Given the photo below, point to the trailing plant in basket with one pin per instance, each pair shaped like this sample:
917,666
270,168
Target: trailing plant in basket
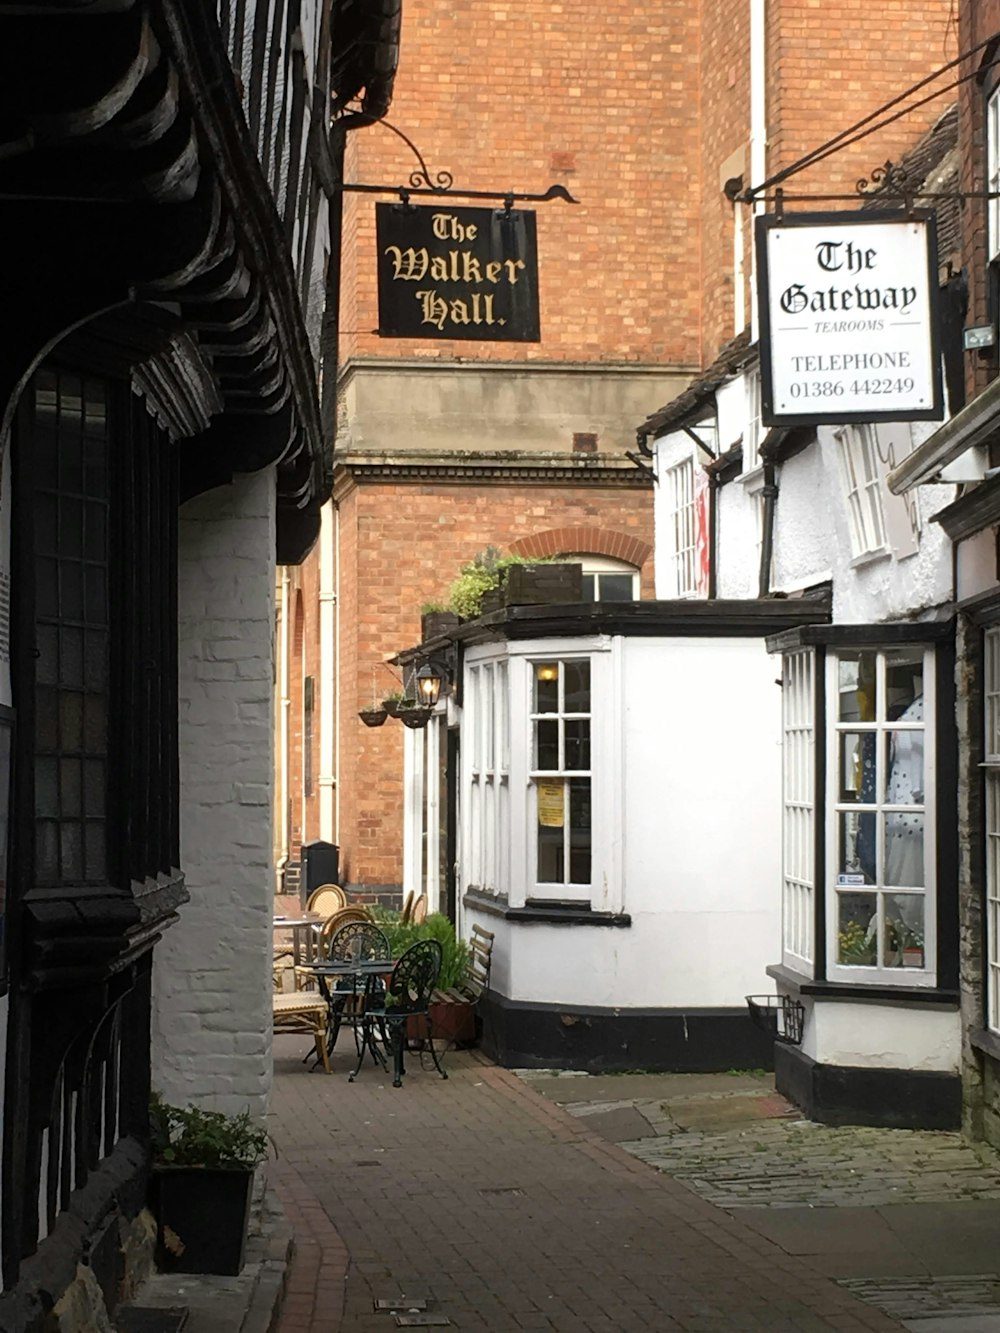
187,1136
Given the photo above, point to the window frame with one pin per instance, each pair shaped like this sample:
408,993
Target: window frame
991,825
992,118
607,745
881,727
679,483
596,566
754,434
936,639
864,503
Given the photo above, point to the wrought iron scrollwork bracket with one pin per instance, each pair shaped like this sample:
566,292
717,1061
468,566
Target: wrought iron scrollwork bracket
421,183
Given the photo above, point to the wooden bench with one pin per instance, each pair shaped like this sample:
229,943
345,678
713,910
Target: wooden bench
477,972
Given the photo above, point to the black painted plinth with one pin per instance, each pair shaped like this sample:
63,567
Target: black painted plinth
524,1035
848,1095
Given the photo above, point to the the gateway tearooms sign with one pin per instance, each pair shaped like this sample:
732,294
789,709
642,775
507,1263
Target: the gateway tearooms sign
848,318
446,272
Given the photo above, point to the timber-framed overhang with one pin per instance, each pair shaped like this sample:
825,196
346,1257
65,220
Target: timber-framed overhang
130,183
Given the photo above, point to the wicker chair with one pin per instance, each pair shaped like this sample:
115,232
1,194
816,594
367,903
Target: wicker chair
418,912
303,1012
326,900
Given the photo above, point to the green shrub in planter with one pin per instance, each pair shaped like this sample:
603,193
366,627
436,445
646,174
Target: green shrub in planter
203,1168
454,952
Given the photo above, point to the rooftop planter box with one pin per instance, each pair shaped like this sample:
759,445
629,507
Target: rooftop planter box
435,624
542,584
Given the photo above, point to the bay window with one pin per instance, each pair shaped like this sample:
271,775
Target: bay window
541,774
880,813
862,797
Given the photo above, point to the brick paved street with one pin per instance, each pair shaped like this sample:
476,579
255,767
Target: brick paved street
504,1212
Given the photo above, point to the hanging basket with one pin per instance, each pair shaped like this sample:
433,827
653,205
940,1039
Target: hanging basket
396,706
373,717
778,1015
414,717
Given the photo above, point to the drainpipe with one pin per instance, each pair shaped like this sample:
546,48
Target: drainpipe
758,130
713,534
284,703
327,674
770,494
338,678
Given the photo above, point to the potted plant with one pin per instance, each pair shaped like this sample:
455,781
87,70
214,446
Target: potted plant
436,620
373,717
203,1170
452,1020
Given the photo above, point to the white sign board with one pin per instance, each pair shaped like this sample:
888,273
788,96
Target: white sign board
848,318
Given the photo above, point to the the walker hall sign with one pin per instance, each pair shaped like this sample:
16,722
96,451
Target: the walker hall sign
848,318
446,272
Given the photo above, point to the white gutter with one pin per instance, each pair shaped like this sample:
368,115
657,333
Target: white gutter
284,703
335,697
327,674
977,422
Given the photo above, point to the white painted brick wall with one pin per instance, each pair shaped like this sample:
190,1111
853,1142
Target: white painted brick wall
212,972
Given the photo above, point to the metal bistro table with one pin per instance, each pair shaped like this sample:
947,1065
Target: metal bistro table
367,969
301,927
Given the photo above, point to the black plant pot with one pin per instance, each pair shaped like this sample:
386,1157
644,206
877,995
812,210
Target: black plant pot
202,1215
373,717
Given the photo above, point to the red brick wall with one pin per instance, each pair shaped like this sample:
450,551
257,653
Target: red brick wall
599,97
827,68
388,569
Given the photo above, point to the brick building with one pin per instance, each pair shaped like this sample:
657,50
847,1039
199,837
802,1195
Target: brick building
653,117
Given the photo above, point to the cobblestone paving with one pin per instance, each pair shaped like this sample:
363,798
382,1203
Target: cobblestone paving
782,1162
912,1298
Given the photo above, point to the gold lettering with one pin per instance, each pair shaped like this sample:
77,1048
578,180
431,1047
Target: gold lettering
460,312
407,265
482,308
446,227
511,265
435,309
493,272
439,269
471,271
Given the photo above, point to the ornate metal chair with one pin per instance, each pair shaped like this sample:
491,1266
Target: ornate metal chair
407,995
324,934
355,942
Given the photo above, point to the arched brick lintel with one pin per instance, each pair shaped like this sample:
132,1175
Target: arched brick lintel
584,541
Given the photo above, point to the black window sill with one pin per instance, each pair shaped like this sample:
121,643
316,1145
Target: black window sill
548,915
986,1042
849,990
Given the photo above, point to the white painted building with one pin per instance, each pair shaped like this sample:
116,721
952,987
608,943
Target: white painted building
615,829
863,814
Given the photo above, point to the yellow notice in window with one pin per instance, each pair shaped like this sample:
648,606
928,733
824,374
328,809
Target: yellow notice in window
551,812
